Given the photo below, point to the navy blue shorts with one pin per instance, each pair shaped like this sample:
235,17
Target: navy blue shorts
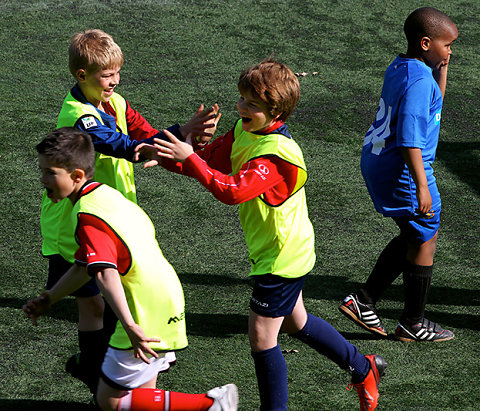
418,230
275,296
57,266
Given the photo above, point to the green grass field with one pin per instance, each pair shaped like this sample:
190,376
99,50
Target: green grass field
179,54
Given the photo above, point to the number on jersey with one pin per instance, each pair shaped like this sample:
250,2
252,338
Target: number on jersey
377,135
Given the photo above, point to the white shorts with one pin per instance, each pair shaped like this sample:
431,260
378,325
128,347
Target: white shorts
127,372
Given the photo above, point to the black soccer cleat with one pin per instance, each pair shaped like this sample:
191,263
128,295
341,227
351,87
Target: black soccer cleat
425,330
363,314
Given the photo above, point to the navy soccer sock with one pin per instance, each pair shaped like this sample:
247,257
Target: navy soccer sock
388,267
326,340
416,283
271,371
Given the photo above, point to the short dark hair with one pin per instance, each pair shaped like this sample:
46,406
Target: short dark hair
69,148
425,22
275,84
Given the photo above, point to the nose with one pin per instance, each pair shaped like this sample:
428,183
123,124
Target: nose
116,79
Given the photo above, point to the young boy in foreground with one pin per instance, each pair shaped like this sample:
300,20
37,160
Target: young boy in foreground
396,163
259,166
93,106
117,246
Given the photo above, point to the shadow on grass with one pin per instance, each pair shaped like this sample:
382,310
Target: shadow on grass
462,159
33,405
65,309
216,325
322,287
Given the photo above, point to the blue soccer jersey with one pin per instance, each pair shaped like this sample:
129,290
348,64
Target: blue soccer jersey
408,116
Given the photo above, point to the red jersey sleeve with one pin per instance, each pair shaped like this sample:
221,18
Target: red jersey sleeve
99,245
269,176
138,127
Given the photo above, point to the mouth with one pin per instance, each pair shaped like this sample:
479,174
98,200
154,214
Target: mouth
246,119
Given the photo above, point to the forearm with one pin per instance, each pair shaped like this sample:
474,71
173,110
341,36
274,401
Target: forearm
110,285
247,184
440,76
413,159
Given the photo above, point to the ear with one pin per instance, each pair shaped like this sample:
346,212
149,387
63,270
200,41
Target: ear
77,175
425,43
81,75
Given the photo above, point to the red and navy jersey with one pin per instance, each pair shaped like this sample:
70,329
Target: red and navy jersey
212,167
109,139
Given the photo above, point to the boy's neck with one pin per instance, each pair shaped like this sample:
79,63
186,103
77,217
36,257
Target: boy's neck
413,54
77,190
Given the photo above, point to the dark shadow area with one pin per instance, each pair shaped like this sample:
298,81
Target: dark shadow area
462,159
445,319
216,325
65,309
321,287
33,405
211,279
361,335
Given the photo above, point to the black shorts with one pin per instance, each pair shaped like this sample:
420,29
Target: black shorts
275,296
57,266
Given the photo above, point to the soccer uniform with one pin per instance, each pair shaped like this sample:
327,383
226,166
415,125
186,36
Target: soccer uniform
112,232
408,116
265,174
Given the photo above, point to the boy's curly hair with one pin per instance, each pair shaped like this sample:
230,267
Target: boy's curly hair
275,84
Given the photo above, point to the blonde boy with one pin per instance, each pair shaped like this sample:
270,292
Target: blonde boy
94,107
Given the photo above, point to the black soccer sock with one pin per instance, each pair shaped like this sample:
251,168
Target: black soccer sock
93,346
388,267
109,322
416,283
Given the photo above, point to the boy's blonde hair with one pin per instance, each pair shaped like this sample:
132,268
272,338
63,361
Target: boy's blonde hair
273,83
93,50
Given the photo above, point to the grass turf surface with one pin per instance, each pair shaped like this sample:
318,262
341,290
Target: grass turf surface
179,54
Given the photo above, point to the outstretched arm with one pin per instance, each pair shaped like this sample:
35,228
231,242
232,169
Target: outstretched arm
109,282
72,280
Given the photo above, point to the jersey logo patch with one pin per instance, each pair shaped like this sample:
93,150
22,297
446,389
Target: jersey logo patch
89,122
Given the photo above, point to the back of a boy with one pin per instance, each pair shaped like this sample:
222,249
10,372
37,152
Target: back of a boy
409,94
152,288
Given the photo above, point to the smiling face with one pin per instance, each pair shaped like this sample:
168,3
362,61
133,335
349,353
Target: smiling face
437,51
58,182
98,86
254,113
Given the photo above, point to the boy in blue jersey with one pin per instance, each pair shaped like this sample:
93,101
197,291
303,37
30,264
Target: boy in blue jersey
93,106
117,246
396,163
259,166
